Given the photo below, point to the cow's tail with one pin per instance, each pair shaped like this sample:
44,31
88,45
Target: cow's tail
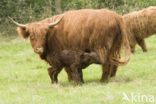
126,45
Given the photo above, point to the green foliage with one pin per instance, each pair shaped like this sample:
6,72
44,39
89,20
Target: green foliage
26,11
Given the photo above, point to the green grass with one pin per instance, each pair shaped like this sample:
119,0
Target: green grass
24,78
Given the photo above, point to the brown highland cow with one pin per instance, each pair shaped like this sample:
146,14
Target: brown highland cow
100,31
140,24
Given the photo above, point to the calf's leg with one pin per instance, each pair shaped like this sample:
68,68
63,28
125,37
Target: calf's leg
75,73
69,73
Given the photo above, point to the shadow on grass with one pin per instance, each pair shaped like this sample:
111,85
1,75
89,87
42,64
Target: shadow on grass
116,80
121,80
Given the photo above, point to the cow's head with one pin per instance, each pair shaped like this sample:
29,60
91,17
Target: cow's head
37,33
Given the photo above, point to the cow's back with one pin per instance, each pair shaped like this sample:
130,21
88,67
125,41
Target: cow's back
88,28
141,24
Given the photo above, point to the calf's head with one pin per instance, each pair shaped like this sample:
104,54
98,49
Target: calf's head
37,33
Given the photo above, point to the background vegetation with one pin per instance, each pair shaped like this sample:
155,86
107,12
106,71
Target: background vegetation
25,11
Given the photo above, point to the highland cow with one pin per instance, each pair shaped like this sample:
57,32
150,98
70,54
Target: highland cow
140,24
101,31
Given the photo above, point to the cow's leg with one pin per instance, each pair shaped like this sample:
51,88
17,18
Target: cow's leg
69,73
132,46
105,72
103,54
50,72
81,75
113,70
56,72
132,42
53,73
142,44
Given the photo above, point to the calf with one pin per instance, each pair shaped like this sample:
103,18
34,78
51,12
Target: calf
74,61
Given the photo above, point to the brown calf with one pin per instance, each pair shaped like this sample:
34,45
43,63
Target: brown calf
74,61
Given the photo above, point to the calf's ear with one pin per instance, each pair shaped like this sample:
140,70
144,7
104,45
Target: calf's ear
22,31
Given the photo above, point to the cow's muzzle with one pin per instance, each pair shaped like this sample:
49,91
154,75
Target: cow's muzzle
39,50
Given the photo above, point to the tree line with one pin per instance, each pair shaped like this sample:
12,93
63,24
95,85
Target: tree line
32,10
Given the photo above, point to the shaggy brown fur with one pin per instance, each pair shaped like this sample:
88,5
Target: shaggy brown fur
74,61
140,24
101,31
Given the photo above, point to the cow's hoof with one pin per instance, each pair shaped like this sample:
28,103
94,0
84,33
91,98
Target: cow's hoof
54,82
104,79
70,79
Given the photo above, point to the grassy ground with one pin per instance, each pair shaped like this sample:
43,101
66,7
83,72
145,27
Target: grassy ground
24,79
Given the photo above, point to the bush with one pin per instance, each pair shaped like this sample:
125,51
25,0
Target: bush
25,11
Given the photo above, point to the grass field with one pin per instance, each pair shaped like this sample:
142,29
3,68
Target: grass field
24,79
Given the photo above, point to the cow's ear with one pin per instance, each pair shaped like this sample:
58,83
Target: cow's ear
22,31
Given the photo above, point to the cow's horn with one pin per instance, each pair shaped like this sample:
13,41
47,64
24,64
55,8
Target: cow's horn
19,25
55,23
